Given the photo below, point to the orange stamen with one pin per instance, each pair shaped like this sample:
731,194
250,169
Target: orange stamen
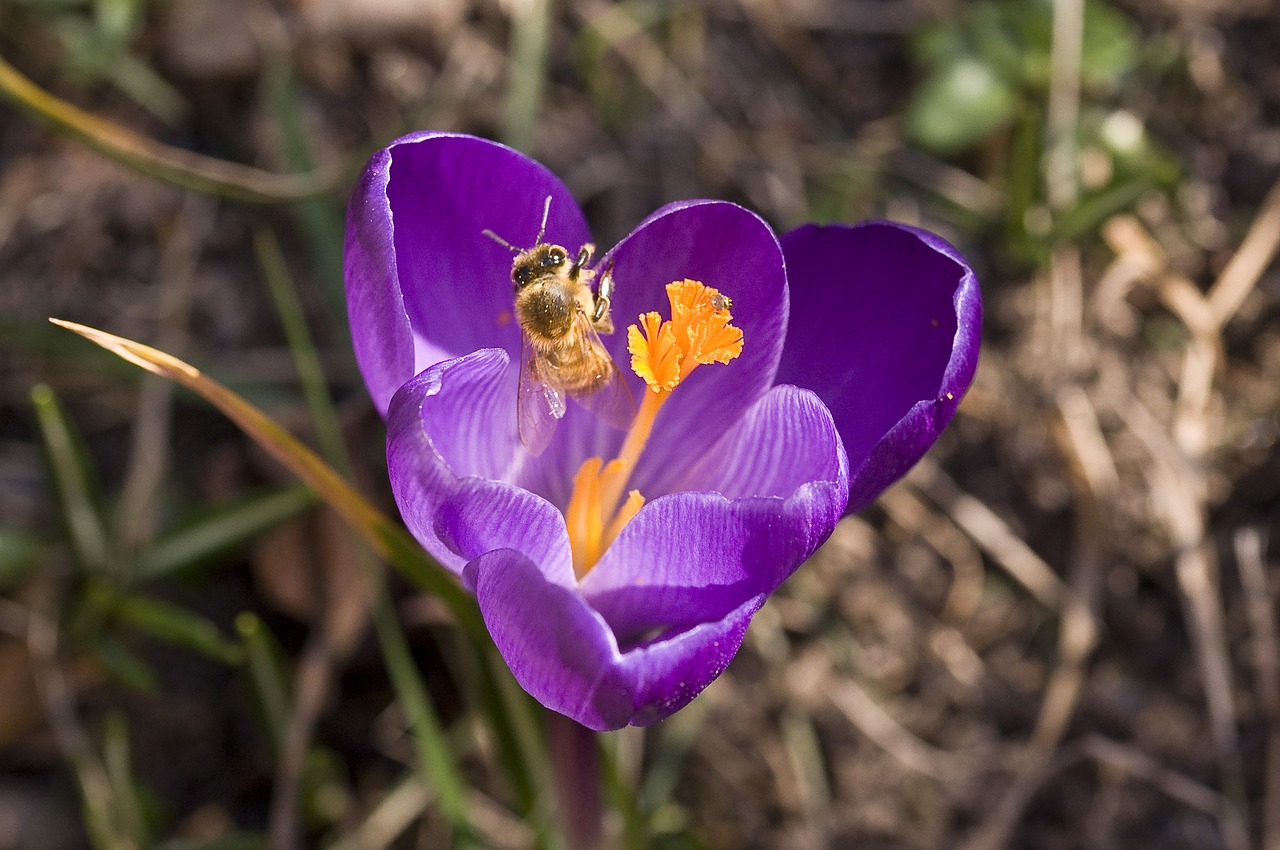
663,354
655,356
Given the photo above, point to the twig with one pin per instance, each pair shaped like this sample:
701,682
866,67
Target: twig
1178,491
1078,631
1249,261
1173,784
392,816
992,534
149,451
872,720
1259,602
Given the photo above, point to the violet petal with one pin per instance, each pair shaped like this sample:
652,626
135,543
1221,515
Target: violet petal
691,557
885,323
564,654
446,474
424,282
733,250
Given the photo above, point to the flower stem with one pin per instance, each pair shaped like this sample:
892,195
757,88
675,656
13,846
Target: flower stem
575,765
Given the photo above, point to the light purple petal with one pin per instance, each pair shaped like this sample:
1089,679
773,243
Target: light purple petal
688,558
423,281
448,449
564,654
885,324
733,250
774,487
785,441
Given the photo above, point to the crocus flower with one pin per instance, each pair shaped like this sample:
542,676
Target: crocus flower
780,383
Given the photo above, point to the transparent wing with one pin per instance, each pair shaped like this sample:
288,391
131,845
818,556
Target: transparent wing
538,405
611,401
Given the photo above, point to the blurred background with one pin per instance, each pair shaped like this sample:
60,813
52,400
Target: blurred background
1058,632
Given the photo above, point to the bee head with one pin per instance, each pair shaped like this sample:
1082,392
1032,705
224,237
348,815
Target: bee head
540,261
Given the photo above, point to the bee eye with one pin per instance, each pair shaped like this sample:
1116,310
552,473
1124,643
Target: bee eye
553,258
520,275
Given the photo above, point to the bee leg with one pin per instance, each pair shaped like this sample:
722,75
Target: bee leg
584,257
600,316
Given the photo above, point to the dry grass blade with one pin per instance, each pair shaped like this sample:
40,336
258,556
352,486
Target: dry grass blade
1178,490
103,808
720,145
382,535
908,510
877,724
1249,261
389,819
149,456
1181,788
992,534
1249,549
1094,477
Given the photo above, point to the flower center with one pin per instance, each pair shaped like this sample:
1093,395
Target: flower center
663,353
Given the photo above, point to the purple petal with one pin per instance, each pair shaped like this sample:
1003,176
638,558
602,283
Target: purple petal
732,249
564,654
449,445
380,331
668,673
692,557
785,441
423,281
885,323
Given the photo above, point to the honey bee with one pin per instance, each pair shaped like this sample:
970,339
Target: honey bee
561,355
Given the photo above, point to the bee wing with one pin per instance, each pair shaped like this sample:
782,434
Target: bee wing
538,405
612,402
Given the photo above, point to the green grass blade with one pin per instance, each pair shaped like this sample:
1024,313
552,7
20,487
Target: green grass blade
227,530
530,36
147,156
176,625
268,674
436,764
74,481
321,221
20,555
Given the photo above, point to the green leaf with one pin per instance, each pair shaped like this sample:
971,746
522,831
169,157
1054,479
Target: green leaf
959,106
268,673
124,665
74,481
20,553
936,46
1110,47
1013,38
176,625
225,531
1093,209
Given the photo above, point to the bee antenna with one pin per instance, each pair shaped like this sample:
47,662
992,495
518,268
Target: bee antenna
546,209
504,243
